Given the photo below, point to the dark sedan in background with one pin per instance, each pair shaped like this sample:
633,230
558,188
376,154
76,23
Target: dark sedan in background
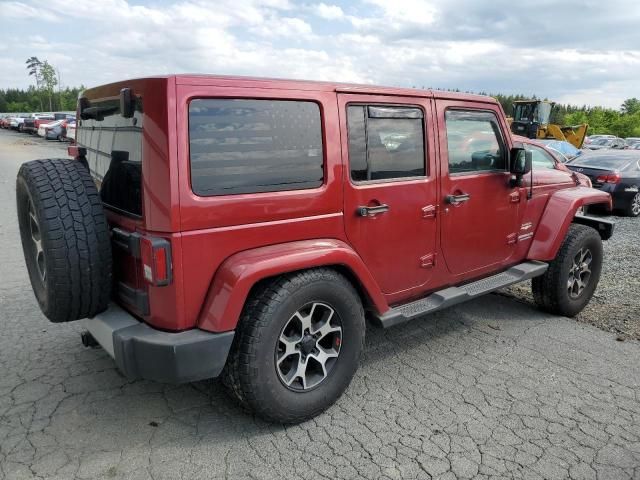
616,172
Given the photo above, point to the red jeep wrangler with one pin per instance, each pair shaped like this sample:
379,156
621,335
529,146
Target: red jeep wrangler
244,227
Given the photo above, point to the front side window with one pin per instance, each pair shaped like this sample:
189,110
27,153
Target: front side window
474,142
385,142
252,146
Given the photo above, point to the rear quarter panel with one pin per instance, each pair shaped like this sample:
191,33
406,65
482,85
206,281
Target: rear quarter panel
216,227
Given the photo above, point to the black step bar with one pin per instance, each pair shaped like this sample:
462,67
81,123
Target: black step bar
454,295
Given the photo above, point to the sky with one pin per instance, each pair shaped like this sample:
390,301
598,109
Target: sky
570,51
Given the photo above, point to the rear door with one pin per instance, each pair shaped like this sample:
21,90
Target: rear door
480,208
390,188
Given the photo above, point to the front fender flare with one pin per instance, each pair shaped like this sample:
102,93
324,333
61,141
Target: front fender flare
240,272
558,216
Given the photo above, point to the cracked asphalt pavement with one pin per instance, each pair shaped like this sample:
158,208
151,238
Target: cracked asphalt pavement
491,389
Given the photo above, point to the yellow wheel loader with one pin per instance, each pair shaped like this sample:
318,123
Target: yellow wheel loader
531,120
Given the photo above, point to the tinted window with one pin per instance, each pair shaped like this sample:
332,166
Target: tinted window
540,158
385,142
114,154
474,142
251,146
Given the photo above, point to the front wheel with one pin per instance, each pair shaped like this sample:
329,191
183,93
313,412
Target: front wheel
572,277
297,346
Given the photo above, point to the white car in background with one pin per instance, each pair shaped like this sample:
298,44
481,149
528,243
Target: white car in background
71,131
42,129
17,121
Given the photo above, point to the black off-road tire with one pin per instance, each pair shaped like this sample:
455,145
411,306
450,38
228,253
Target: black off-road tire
550,291
250,375
70,266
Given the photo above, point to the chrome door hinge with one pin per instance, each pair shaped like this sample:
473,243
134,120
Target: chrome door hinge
428,261
429,211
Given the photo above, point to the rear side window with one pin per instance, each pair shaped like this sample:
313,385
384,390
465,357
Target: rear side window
385,142
474,142
251,146
114,154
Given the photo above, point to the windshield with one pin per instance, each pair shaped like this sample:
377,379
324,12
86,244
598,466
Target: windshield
543,113
523,112
564,147
603,141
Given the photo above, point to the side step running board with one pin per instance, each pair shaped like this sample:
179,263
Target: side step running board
454,295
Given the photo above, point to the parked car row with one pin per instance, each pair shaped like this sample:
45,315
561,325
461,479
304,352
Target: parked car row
59,126
605,142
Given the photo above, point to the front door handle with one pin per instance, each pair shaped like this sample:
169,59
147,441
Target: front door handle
457,199
371,211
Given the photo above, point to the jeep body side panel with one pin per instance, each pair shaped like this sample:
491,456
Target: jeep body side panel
558,215
475,233
216,227
239,273
398,244
204,212
159,187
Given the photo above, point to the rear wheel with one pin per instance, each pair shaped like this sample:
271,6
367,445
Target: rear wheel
297,345
572,277
65,238
633,209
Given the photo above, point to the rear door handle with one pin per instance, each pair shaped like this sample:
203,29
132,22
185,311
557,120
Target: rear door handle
457,199
371,211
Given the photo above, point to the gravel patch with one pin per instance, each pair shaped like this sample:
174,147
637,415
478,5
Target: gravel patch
615,307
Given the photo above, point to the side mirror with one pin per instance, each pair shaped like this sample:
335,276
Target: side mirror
520,161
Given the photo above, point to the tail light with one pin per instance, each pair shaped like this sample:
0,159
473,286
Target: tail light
609,178
155,254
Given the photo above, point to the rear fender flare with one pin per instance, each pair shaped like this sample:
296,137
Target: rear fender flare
240,272
558,215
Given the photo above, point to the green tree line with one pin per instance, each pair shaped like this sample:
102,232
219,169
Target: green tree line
43,96
624,122
32,100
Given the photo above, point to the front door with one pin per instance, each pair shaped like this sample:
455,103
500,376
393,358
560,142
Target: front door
390,187
480,207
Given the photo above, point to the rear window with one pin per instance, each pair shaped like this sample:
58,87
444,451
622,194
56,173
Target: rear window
603,161
114,154
252,146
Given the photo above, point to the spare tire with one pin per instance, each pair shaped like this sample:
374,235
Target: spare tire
65,238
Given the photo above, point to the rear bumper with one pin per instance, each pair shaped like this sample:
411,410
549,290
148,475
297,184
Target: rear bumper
141,351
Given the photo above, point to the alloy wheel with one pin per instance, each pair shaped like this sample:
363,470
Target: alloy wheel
579,273
635,204
36,240
308,346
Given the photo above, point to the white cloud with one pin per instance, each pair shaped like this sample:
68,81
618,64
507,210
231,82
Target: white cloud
23,10
283,27
328,12
496,47
407,11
